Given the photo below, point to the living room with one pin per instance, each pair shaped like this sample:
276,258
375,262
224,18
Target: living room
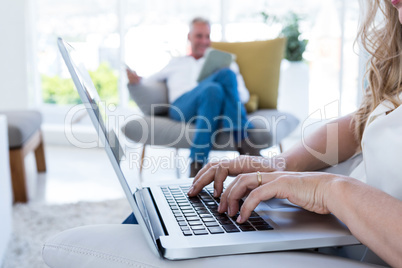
78,182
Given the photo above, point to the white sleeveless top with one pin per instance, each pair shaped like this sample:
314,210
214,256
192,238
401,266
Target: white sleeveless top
382,150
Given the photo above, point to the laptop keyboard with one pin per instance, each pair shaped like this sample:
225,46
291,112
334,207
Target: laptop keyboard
199,215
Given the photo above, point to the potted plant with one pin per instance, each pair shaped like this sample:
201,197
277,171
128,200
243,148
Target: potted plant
294,80
295,46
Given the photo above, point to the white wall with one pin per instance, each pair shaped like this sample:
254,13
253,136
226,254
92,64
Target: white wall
17,68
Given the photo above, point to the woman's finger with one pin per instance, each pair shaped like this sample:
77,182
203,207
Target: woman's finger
264,192
223,200
242,185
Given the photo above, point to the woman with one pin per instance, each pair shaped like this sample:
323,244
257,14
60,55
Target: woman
375,129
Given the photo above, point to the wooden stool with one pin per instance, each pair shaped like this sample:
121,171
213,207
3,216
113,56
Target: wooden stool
25,136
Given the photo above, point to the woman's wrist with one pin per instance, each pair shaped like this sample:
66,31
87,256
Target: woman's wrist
335,194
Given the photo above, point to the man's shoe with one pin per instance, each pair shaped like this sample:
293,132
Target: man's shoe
194,168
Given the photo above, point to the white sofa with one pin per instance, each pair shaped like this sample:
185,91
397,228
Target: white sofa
5,190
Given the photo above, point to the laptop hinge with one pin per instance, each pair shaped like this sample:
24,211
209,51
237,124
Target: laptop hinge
157,225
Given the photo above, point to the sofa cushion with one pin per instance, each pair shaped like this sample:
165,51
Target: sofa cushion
259,63
271,126
21,126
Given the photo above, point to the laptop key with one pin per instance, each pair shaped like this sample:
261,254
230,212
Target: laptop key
205,215
187,233
230,228
200,232
193,219
257,221
182,223
225,222
201,210
215,230
189,214
198,227
246,228
263,227
211,224
184,228
192,223
243,224
208,219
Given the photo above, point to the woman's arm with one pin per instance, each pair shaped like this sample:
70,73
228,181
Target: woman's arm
371,215
331,144
303,157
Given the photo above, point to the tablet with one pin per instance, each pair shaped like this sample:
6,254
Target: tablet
215,60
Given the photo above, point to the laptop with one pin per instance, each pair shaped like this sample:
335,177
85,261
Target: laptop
178,227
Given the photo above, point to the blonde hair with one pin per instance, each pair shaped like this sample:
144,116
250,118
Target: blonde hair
383,41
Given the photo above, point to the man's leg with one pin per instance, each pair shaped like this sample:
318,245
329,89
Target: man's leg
200,106
234,111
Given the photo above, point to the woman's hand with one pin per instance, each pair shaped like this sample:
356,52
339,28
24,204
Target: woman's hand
308,190
218,171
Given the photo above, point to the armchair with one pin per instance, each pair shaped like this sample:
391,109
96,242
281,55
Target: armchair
259,63
24,136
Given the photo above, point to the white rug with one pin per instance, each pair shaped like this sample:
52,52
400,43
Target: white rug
33,224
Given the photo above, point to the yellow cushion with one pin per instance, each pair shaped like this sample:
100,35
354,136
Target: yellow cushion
259,63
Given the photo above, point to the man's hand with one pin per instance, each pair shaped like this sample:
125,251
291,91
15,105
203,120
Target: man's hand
218,171
132,76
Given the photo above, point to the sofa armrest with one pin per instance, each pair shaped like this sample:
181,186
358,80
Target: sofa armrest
124,246
150,98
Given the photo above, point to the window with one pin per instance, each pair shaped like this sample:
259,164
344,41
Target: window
91,27
147,34
157,30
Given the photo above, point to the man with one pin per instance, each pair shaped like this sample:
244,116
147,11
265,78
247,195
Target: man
214,103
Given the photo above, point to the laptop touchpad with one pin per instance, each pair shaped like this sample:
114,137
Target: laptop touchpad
280,203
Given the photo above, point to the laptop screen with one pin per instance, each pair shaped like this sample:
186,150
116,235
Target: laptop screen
99,115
